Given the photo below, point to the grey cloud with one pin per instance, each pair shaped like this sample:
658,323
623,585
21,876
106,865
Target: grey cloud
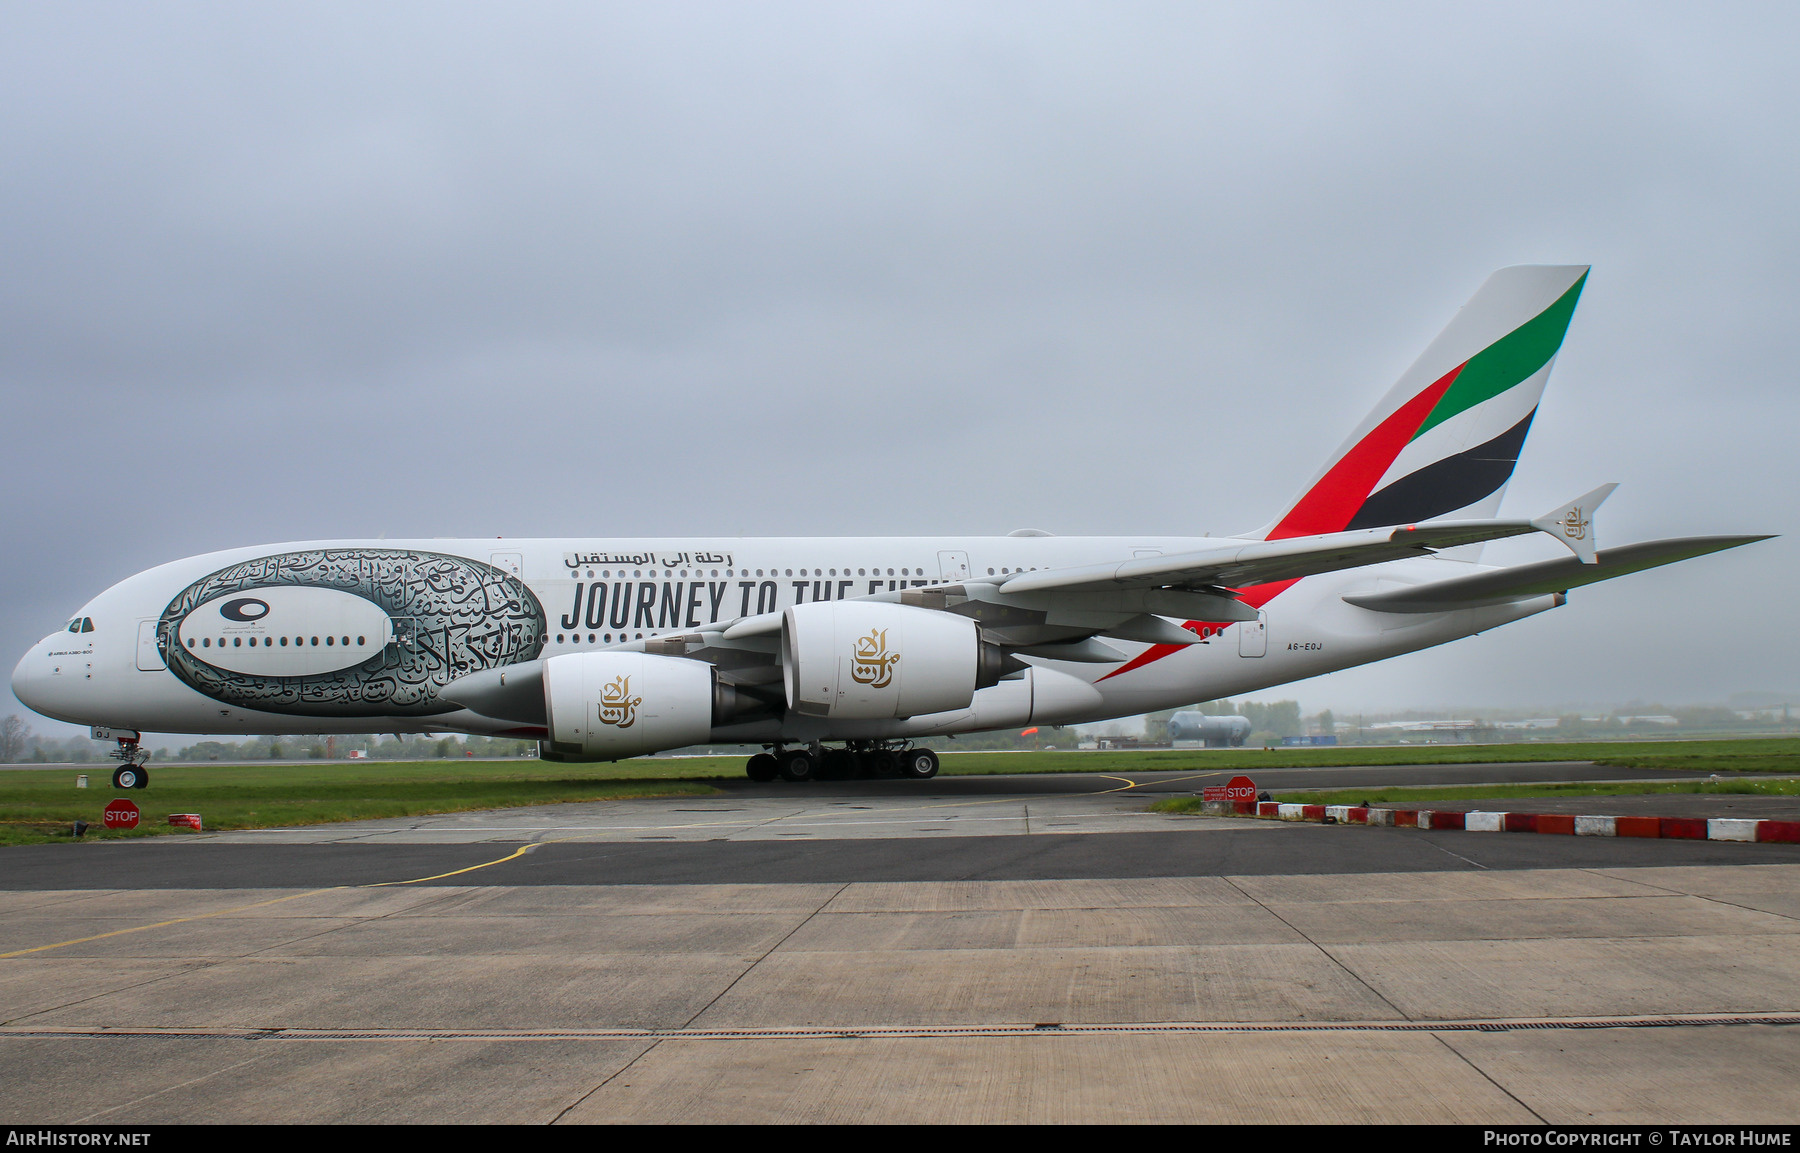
446,269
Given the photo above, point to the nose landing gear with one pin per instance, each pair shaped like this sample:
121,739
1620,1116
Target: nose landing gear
131,774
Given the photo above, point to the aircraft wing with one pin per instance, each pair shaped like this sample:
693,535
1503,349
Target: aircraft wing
1240,565
1057,613
1126,599
1543,577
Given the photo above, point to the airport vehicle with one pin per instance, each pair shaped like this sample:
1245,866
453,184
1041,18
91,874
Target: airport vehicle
837,654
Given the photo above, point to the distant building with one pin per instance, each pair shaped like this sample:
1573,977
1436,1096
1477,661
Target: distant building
1427,726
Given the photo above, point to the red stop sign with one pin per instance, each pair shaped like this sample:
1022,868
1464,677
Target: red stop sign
121,814
1237,789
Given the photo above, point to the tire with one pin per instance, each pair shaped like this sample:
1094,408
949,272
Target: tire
762,767
837,765
884,764
918,764
798,766
143,776
126,777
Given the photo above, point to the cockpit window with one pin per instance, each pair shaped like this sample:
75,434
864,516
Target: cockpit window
82,625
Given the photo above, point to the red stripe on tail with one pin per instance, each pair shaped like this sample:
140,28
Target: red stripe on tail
1329,505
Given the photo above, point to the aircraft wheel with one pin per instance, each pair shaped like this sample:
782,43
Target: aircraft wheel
918,764
837,765
798,765
762,767
130,777
884,764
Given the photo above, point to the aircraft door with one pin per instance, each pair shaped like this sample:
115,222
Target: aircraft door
407,637
149,656
954,566
1253,636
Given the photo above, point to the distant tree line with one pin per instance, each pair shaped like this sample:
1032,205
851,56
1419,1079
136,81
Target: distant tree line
1268,721
20,746
1046,736
401,747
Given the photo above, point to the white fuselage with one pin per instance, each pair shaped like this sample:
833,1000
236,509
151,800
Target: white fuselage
593,593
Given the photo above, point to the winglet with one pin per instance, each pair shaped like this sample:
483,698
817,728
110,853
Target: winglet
1573,523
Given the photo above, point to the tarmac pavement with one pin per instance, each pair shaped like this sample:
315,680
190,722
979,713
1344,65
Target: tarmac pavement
832,955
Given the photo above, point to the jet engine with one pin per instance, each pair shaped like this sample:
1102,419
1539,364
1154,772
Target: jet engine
876,660
606,706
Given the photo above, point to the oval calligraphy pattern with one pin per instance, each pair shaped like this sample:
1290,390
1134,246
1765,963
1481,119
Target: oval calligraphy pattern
451,616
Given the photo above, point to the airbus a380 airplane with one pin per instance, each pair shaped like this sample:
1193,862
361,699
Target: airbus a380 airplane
603,648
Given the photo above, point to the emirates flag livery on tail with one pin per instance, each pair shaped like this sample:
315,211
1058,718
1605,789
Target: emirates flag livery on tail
838,654
1446,437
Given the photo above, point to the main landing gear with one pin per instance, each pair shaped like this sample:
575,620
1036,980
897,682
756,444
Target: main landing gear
131,774
888,759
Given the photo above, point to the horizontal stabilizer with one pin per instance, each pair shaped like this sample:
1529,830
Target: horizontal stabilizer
1544,577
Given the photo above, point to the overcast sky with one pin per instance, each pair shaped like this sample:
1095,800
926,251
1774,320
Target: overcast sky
274,272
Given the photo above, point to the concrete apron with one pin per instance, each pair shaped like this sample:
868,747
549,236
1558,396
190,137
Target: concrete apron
1561,995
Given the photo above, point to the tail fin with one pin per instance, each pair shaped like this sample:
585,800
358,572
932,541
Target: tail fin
1446,437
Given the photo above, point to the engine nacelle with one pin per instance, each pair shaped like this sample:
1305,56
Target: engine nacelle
876,660
607,706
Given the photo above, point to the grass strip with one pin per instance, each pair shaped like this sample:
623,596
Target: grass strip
41,805
1753,755
1461,793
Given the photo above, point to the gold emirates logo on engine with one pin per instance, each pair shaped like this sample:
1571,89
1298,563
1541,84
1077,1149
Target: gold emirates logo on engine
617,705
871,663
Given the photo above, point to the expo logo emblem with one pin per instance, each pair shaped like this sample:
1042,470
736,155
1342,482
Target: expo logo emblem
870,661
617,706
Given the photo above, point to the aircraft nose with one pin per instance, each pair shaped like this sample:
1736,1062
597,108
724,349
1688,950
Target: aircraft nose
31,682
25,681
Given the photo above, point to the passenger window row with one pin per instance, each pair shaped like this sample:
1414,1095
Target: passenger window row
271,642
